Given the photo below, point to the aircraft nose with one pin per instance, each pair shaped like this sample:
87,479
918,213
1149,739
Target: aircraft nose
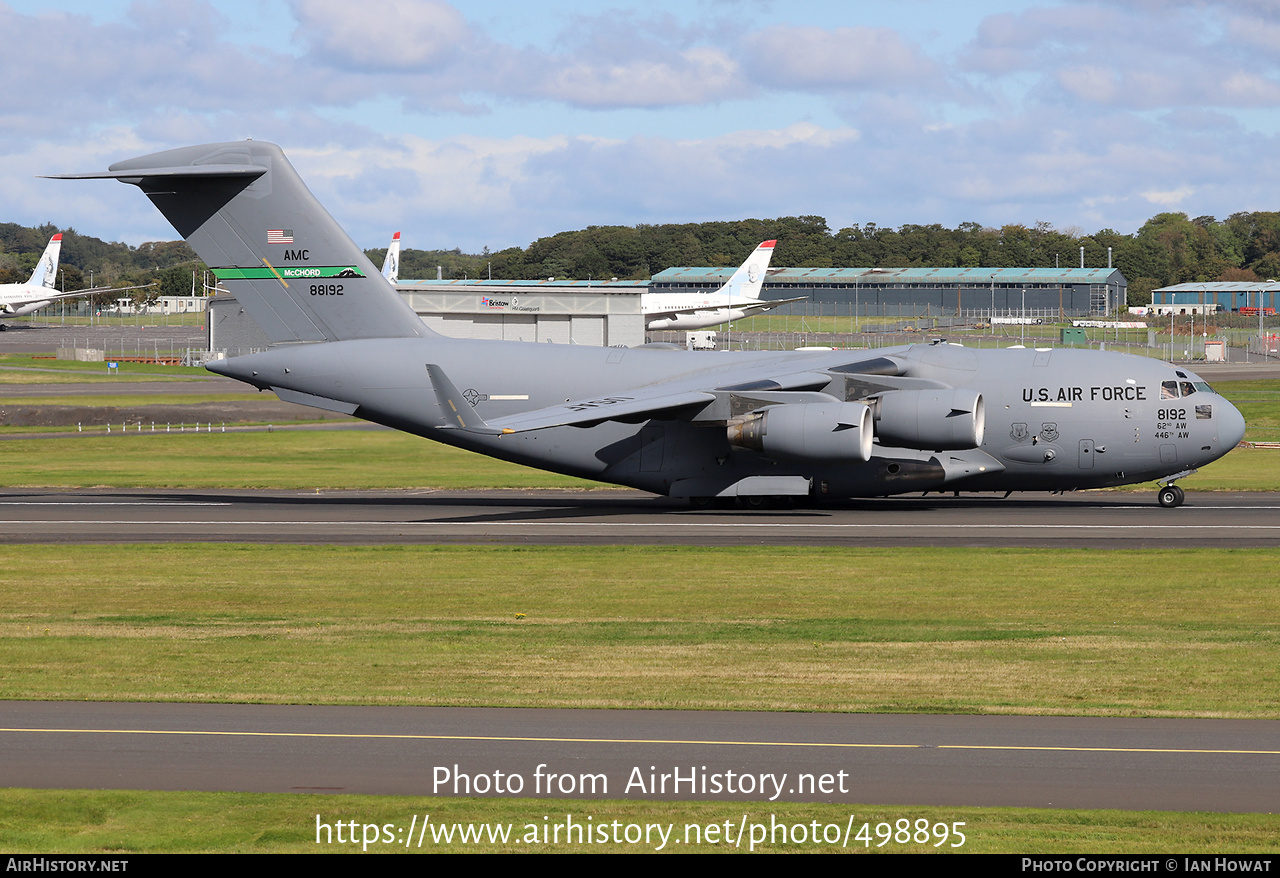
1230,426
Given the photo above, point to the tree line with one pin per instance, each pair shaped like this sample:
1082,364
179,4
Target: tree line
86,261
1170,248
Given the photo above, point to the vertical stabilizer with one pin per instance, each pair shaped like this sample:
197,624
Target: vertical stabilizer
243,208
749,278
46,272
391,265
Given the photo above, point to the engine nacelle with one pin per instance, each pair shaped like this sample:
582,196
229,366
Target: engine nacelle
818,431
946,419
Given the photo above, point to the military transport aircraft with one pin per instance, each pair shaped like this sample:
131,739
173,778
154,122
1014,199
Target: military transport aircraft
738,297
18,300
750,425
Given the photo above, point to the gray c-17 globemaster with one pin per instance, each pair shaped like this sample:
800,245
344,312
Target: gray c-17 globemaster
751,425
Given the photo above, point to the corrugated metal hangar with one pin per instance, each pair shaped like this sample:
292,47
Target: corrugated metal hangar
603,313
890,291
1217,296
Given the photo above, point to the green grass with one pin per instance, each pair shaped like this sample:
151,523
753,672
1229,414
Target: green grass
1073,632
135,399
119,823
280,459
27,369
1259,402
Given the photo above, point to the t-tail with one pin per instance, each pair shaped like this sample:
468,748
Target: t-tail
749,278
391,265
46,272
246,212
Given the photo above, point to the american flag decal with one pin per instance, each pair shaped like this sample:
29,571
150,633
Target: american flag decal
279,236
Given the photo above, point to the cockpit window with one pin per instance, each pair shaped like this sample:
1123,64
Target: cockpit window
1187,388
1169,390
1204,387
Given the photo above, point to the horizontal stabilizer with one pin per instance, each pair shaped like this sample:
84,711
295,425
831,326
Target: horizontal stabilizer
136,175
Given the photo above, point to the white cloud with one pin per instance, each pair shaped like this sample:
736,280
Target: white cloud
1170,198
844,57
1094,110
384,35
698,75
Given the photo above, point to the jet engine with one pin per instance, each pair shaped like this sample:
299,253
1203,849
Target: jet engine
835,431
945,419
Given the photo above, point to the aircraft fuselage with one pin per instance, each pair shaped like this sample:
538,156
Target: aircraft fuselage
1055,420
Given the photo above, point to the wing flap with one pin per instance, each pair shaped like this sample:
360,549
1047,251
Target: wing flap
620,407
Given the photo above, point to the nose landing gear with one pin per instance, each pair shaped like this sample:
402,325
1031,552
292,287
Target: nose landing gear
1171,496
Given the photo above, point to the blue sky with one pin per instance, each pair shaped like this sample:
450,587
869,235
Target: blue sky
488,123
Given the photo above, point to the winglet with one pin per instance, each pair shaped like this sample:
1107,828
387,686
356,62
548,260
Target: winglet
458,413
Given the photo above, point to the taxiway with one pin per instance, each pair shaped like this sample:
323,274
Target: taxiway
1050,762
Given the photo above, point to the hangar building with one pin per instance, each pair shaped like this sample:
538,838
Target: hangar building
601,313
1218,296
903,291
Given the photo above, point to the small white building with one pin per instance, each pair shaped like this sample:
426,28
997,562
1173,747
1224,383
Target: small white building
163,305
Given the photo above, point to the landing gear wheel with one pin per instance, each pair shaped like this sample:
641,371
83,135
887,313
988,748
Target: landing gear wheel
1171,496
754,501
702,502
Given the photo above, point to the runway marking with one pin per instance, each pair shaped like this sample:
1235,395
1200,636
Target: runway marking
771,525
662,741
114,503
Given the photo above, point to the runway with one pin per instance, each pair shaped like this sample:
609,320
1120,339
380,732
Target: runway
614,517
1051,762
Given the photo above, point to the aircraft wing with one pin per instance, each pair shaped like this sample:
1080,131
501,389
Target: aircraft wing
619,407
75,294
634,405
32,295
768,304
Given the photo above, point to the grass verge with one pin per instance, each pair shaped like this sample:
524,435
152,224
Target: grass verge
28,369
1120,633
115,823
